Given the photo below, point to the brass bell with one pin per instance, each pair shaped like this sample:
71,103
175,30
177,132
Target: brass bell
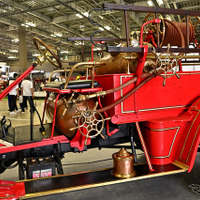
123,164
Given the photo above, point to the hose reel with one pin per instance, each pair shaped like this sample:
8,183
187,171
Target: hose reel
168,31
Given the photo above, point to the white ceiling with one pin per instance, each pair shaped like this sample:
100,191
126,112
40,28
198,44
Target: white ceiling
68,18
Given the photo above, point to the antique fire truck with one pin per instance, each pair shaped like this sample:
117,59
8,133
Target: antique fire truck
139,93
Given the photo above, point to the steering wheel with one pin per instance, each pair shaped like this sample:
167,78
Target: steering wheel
48,53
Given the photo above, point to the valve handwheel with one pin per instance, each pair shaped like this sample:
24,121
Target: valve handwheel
167,64
48,53
92,121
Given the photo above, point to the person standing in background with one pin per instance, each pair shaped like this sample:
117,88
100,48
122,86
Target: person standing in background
27,92
14,94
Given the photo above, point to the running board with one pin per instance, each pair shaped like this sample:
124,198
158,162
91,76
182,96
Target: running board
90,179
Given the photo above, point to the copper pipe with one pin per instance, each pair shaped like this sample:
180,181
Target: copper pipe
137,87
144,146
134,79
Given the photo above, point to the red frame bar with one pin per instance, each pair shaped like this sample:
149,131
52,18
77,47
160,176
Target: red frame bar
54,140
57,90
17,81
54,116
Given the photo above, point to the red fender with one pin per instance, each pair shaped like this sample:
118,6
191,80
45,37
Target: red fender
10,190
190,139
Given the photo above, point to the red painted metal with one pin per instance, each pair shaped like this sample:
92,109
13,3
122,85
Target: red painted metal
107,122
54,115
190,139
44,142
162,137
154,100
142,28
44,108
150,38
140,64
79,140
167,117
9,190
17,81
86,90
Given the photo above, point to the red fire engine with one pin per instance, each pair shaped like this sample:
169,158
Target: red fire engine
138,94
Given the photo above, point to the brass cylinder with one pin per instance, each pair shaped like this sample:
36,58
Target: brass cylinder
116,63
64,120
123,164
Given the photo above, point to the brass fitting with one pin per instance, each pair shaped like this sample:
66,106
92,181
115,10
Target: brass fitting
82,98
40,60
131,57
98,94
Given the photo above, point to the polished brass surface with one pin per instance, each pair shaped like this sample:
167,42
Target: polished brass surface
123,164
116,63
181,165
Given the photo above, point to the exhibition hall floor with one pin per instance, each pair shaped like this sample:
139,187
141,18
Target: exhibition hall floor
183,186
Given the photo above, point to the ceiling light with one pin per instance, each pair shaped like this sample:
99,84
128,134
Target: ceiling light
160,2
58,34
107,27
53,35
12,57
35,54
62,52
15,40
13,51
86,14
30,24
78,43
150,3
24,25
78,15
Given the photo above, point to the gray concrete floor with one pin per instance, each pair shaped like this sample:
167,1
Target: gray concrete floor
176,187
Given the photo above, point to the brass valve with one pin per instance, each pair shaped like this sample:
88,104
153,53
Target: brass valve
82,97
